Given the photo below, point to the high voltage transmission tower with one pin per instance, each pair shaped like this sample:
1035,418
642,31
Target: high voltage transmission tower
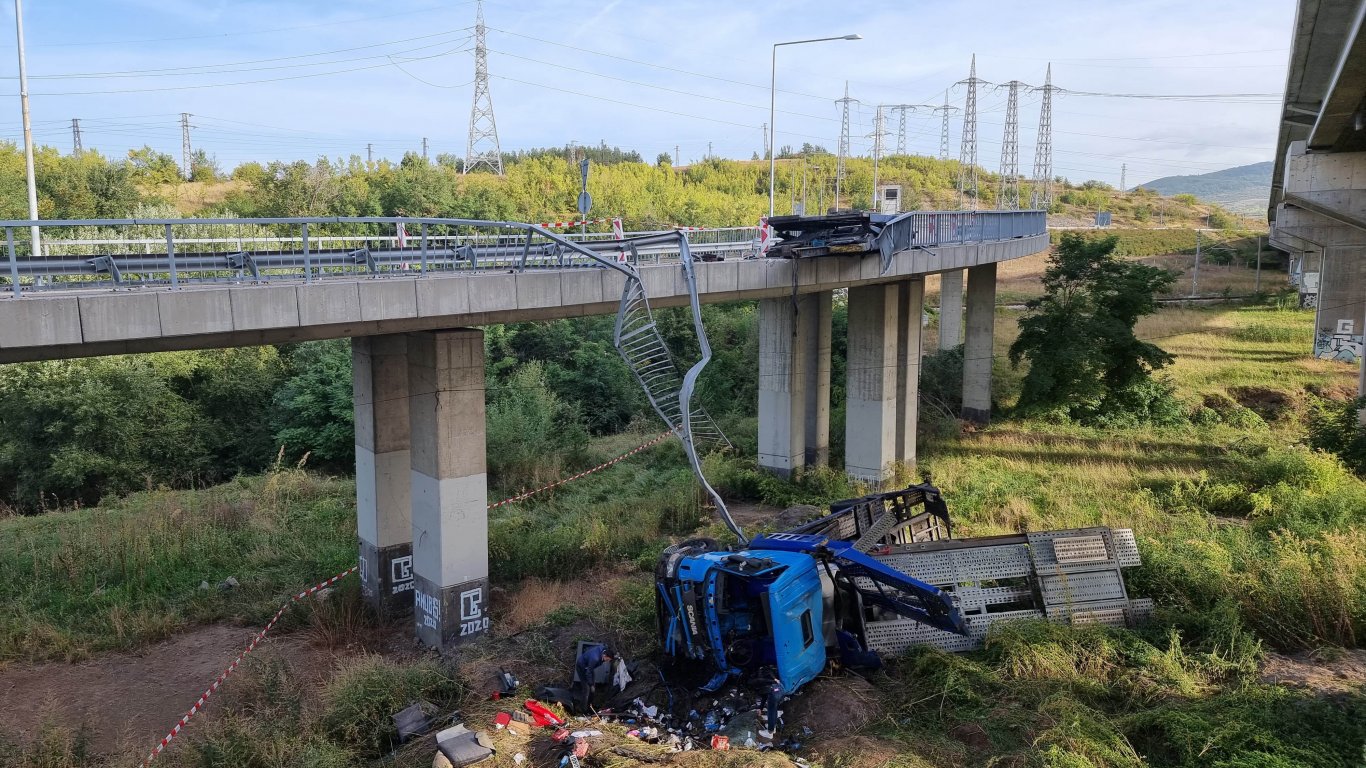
1123,176
76,136
967,155
1042,193
844,142
947,111
482,147
1008,195
185,143
902,109
877,150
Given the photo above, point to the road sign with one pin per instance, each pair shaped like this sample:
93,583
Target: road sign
585,203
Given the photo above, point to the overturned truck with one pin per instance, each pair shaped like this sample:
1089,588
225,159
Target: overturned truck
873,577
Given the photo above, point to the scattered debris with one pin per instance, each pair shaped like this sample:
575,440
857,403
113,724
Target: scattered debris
457,746
412,721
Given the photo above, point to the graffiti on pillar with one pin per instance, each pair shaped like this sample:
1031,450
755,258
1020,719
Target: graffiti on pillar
401,574
428,609
1341,344
472,618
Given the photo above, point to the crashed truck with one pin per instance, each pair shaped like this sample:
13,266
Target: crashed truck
873,577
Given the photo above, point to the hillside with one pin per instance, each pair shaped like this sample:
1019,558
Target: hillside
1242,190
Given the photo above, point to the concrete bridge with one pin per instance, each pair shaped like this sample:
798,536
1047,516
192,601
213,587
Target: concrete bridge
412,304
1318,187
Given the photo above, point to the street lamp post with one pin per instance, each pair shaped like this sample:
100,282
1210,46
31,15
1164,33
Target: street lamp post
772,109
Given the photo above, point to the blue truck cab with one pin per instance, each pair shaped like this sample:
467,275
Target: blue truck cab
744,610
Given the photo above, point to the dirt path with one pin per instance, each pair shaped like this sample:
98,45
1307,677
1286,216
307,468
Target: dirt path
128,701
1339,672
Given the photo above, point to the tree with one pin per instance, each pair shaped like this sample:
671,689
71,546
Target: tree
313,412
664,160
1085,362
153,167
204,167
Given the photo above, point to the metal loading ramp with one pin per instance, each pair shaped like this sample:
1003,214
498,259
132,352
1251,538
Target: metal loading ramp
1071,575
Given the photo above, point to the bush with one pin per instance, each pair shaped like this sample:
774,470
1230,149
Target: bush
531,433
359,701
1335,427
313,410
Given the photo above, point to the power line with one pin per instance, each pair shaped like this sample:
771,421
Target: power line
242,82
387,16
216,69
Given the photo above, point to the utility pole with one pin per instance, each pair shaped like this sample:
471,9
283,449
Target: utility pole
967,155
369,154
806,167
1258,287
1123,177
877,152
481,146
1042,194
76,136
844,142
28,127
677,160
766,147
185,144
424,149
709,150
1008,196
946,110
1195,275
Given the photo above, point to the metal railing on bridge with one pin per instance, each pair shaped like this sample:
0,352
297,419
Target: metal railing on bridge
926,229
125,253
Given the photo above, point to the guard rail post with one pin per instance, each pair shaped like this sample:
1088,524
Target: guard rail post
424,249
170,257
13,264
308,259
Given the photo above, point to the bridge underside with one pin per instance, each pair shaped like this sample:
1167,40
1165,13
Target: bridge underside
56,326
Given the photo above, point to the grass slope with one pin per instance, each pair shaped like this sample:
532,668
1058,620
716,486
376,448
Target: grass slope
1249,541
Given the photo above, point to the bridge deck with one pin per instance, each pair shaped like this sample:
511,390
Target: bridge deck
52,325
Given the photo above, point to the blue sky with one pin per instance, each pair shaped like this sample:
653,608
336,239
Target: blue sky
294,79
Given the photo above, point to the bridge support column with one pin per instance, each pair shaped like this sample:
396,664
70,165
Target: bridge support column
911,308
449,485
794,382
379,377
870,421
817,328
950,308
977,347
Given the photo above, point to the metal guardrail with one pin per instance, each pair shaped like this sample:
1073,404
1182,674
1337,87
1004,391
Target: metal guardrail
123,253
922,229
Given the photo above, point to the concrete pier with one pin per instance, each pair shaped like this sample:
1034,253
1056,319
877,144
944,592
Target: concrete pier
977,347
449,486
910,310
379,376
794,382
883,382
817,330
950,308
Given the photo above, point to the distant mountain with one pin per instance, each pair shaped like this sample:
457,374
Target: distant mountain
1244,189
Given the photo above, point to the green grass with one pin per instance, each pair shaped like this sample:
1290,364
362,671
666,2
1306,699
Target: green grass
90,580
1250,542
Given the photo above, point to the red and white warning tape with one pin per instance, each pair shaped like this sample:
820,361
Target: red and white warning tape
564,224
256,640
584,473
204,698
